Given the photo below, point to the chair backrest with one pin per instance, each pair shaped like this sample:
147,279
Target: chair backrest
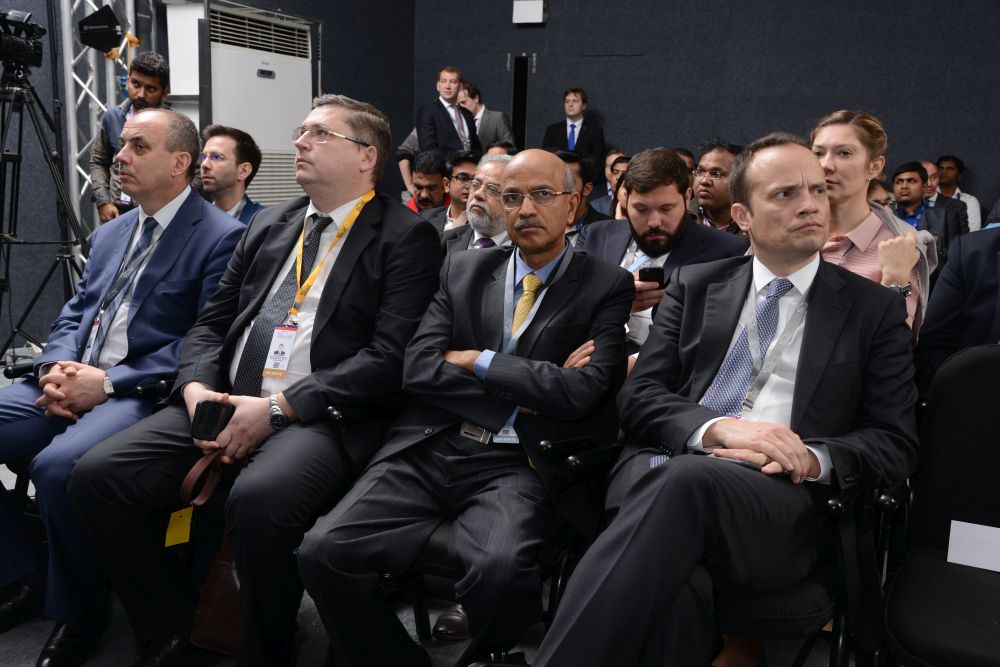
959,448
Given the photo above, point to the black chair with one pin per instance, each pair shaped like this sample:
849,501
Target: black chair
941,613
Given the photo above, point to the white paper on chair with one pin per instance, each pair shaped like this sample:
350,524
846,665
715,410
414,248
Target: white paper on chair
974,545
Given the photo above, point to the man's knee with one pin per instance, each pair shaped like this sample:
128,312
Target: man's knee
50,471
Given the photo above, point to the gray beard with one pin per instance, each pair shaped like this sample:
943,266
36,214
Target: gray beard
484,224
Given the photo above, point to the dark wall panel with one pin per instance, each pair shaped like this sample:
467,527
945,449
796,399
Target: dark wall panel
675,73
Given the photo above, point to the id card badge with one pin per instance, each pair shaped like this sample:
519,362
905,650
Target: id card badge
506,436
276,365
90,339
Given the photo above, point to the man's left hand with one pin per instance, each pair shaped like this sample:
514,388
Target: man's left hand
463,358
247,428
767,465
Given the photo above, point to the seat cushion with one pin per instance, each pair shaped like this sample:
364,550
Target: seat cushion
791,612
940,613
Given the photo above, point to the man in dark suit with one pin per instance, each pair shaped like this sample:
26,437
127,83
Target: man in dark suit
658,232
444,124
935,198
460,168
341,278
943,222
487,225
583,169
832,405
150,271
230,159
491,126
576,133
482,393
963,310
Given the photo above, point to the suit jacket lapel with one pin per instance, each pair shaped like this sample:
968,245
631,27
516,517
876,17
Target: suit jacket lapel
616,242
689,246
825,318
362,233
723,306
459,241
557,295
168,250
491,317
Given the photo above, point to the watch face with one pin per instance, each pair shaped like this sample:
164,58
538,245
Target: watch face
278,421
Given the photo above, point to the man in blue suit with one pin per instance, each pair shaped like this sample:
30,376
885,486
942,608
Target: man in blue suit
148,274
229,160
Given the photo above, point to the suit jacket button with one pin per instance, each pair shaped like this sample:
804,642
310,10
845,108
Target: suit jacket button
428,431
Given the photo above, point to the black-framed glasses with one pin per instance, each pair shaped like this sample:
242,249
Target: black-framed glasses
212,157
540,197
492,189
714,174
320,135
462,177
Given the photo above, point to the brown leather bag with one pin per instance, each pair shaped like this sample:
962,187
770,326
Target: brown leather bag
217,615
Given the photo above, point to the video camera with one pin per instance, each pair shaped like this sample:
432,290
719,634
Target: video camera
20,39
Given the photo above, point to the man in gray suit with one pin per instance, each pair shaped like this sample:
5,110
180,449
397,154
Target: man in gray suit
491,126
486,380
487,225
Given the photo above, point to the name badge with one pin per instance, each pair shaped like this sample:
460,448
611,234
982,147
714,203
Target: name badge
280,351
506,436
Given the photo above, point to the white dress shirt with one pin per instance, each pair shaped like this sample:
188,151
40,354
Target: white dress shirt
116,344
577,123
972,204
774,404
299,362
638,325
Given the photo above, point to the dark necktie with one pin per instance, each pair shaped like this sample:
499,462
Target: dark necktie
485,242
249,372
460,127
733,379
119,287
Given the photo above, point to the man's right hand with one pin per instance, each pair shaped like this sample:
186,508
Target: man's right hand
107,211
194,392
647,294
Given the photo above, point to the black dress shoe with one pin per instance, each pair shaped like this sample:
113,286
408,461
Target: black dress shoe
70,644
452,625
176,651
19,602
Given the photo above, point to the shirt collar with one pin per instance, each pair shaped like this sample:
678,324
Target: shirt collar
801,280
338,214
482,110
521,268
863,235
167,211
578,123
499,239
238,207
446,104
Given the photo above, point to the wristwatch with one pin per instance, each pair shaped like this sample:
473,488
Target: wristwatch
276,417
904,290
109,389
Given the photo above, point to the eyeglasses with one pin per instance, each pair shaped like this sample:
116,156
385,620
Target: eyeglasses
462,178
715,174
492,189
320,135
214,157
541,197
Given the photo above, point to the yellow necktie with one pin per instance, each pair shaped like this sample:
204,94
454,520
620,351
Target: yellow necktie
530,283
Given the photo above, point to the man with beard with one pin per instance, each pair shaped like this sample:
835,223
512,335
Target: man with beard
711,186
487,226
583,170
229,161
658,232
148,85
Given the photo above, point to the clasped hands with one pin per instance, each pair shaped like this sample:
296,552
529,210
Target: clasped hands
774,447
70,388
247,428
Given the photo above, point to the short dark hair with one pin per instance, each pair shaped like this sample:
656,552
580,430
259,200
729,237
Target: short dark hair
952,158
651,168
471,89
458,157
430,162
586,163
683,152
367,123
907,167
451,69
576,91
181,136
739,187
623,159
152,64
506,145
247,149
717,144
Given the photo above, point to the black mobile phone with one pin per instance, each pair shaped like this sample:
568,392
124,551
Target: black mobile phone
210,417
651,274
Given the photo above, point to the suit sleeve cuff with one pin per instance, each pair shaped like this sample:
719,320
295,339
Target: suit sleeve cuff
694,441
483,362
825,464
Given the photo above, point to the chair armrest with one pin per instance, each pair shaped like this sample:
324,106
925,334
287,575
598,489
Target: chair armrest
844,501
15,371
556,450
594,460
348,415
159,389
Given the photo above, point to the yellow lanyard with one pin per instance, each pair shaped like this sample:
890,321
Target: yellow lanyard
345,227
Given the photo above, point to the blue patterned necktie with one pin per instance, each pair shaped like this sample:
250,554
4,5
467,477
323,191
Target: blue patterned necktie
572,136
119,287
732,382
251,367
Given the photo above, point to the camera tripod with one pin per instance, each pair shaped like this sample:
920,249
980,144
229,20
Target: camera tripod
17,94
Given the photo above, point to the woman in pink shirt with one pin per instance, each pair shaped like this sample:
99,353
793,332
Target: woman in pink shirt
866,238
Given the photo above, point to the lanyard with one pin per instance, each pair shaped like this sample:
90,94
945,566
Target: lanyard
345,227
510,339
763,368
125,275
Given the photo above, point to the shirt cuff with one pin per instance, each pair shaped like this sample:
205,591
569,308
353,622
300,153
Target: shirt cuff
694,441
483,362
825,464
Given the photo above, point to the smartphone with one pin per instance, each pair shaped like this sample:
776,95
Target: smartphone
651,274
210,417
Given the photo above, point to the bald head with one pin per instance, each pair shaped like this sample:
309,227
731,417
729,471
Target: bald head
537,223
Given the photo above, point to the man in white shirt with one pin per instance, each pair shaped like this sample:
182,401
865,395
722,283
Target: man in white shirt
487,224
444,124
229,161
760,373
934,198
950,170
149,272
